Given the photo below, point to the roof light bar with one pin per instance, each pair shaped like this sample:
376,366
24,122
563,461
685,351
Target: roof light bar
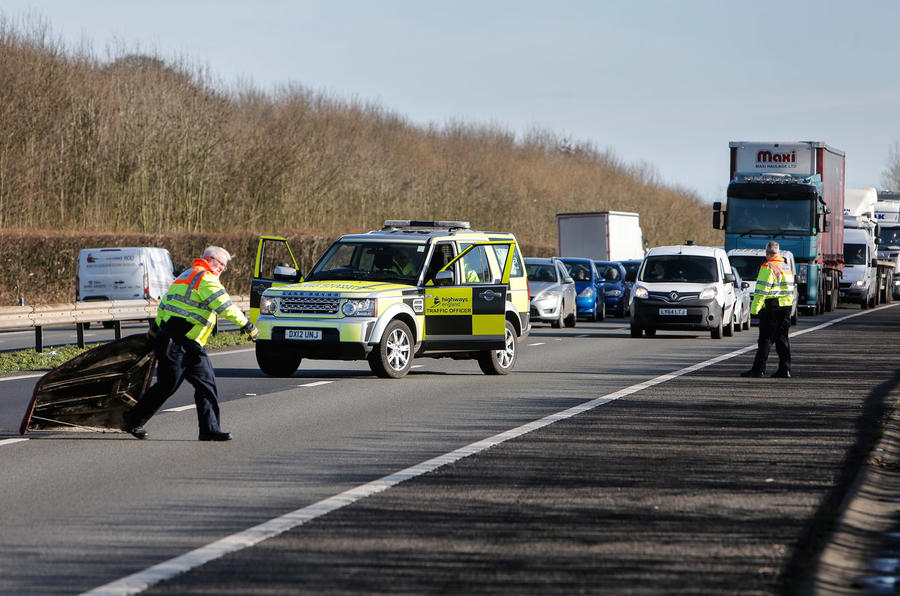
415,223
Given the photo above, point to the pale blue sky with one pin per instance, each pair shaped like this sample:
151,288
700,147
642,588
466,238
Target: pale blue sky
667,84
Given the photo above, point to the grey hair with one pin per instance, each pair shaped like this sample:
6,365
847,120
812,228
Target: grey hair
218,253
772,247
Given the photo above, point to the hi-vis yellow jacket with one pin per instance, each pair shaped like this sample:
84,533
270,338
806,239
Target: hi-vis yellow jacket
198,296
775,280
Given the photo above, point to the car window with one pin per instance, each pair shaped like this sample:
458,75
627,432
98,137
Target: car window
578,271
500,251
443,254
475,266
541,272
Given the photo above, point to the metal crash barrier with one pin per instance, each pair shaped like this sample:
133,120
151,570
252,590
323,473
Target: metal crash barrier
82,314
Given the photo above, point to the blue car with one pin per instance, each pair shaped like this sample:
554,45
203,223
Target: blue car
591,300
617,290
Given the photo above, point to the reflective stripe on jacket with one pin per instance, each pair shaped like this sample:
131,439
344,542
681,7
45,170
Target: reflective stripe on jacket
198,296
775,280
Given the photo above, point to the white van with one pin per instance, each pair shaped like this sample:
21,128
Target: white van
686,288
129,273
748,261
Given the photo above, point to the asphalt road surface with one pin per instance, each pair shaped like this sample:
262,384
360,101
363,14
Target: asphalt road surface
654,468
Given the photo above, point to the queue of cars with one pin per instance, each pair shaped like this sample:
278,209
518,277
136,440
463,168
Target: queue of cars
440,289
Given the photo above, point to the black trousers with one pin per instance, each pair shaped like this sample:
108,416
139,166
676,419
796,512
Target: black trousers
180,359
774,326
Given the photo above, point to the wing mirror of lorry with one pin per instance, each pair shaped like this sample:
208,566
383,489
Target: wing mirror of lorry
443,278
286,273
718,216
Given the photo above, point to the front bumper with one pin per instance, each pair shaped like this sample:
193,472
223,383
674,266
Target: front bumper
705,315
585,306
346,338
545,311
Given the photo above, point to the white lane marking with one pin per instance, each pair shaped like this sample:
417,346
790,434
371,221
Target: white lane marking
583,335
417,366
540,343
140,581
315,383
10,441
181,408
17,377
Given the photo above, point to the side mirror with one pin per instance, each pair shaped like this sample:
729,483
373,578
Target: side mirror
443,278
729,278
283,273
568,280
745,284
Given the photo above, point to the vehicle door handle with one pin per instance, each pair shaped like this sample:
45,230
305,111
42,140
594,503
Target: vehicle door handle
489,295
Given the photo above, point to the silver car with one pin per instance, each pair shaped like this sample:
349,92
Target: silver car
552,292
742,294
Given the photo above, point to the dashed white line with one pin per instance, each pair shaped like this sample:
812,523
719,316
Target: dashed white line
10,441
181,408
540,343
315,383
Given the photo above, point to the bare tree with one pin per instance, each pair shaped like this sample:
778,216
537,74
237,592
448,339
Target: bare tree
891,175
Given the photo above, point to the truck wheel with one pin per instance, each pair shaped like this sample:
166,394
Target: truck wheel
500,362
276,361
393,356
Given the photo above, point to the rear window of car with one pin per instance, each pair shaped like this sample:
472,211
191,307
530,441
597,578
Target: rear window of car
541,272
680,269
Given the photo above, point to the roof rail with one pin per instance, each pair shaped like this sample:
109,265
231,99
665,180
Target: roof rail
393,224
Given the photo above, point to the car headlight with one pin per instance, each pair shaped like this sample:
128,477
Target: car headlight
708,293
802,274
359,307
860,283
268,306
588,292
613,292
641,292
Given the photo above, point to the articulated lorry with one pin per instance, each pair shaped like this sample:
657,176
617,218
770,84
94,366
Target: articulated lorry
887,213
866,280
602,236
792,193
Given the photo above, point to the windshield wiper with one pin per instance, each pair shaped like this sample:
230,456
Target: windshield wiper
761,231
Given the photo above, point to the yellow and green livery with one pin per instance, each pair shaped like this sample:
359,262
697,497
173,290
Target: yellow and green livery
412,289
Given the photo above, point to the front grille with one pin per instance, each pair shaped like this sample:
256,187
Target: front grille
666,296
309,303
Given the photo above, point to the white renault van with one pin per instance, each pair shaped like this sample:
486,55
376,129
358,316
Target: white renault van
123,273
685,288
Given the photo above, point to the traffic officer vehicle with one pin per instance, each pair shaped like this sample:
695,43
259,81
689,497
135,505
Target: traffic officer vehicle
684,287
412,289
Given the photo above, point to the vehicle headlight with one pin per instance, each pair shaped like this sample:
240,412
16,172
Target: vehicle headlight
708,293
860,283
641,292
268,306
613,292
359,307
588,292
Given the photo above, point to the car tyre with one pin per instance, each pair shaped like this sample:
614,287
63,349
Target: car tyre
571,320
276,360
636,331
650,332
728,330
394,354
500,362
602,308
716,332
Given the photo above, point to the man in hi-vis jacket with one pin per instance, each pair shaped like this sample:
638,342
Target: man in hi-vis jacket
772,300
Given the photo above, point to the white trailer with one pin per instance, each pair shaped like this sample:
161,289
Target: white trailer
600,235
887,213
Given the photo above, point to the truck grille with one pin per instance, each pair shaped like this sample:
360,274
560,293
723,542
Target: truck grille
309,303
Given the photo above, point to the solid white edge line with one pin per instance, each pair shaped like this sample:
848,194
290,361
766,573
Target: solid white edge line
137,582
10,441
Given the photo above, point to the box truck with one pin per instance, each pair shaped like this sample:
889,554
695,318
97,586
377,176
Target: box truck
600,235
792,193
887,213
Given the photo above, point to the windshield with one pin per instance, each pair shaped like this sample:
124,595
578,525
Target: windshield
371,261
889,237
747,266
679,268
854,254
608,272
541,272
749,216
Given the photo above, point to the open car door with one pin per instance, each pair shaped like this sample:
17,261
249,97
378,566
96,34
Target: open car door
275,266
92,390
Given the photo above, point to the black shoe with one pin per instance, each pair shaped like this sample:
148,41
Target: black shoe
781,374
137,432
215,436
752,373
134,430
